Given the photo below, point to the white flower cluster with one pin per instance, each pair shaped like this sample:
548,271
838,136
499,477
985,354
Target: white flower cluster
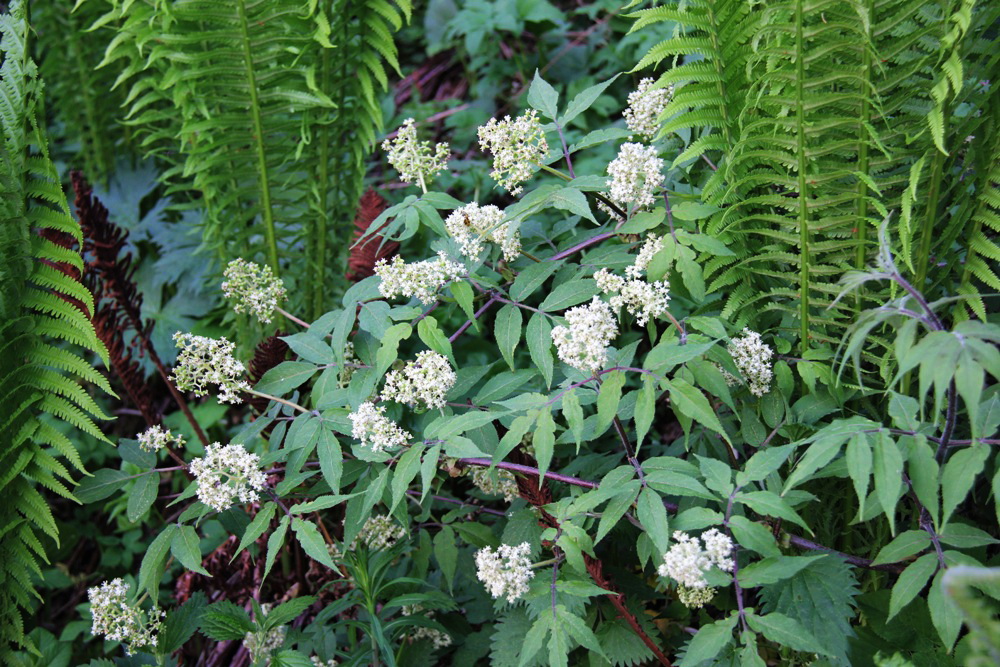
583,344
319,662
206,361
226,474
423,383
497,482
506,572
380,532
687,562
472,224
260,645
516,145
370,425
695,598
119,621
437,638
753,357
645,104
634,176
652,245
643,300
413,159
155,438
254,289
419,279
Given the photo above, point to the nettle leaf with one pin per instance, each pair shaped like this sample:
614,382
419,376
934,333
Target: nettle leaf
182,622
225,620
287,612
709,642
507,329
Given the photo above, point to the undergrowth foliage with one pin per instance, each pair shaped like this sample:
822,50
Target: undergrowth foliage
708,377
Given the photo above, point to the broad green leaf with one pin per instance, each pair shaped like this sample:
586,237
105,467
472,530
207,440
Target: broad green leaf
859,466
331,459
182,622
406,471
544,441
763,463
447,426
225,620
574,415
945,614
512,438
752,535
785,631
959,475
463,294
502,385
653,517
608,398
531,278
285,377
260,523
143,495
718,475
310,347
773,569
312,542
543,97
888,476
817,455
186,548
771,504
911,581
507,329
616,509
569,294
388,351
709,641
689,401
446,553
274,544
645,409
131,452
675,483
103,483
535,637
432,336
583,101
906,544
153,562
539,337
572,200
578,629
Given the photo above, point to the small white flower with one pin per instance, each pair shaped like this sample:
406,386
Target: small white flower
516,146
260,645
652,245
583,344
753,358
695,598
437,638
634,176
375,430
206,361
120,621
226,474
645,105
318,662
254,289
472,224
687,562
423,383
643,300
497,482
419,279
380,532
413,159
155,438
507,572
719,548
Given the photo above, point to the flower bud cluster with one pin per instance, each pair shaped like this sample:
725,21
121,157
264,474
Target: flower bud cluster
155,438
472,224
120,621
206,361
253,288
643,300
423,383
226,474
583,343
695,598
645,104
753,357
375,430
260,645
380,532
413,159
419,279
507,571
516,145
437,638
634,176
687,562
496,482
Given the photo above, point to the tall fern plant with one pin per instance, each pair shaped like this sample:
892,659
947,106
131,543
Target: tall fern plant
265,112
821,118
43,316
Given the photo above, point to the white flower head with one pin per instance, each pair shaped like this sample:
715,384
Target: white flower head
423,383
206,361
583,343
370,425
155,438
496,482
645,105
753,357
506,572
687,562
472,224
419,279
254,289
380,532
516,146
643,300
260,645
634,176
437,638
652,245
413,159
117,620
227,474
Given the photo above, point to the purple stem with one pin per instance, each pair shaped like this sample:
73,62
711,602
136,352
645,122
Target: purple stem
468,323
580,246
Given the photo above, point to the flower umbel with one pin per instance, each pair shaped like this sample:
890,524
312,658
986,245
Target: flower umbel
643,300
260,645
472,224
413,159
687,562
583,343
423,383
497,482
375,430
206,361
516,146
254,289
506,573
652,245
753,357
645,104
120,621
226,474
155,438
634,176
380,532
436,637
419,279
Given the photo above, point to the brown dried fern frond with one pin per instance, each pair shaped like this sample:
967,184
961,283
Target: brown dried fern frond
361,263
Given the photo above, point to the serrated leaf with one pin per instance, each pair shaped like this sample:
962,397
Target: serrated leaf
773,569
539,338
906,544
182,622
608,398
224,621
103,483
708,642
569,294
331,459
763,463
153,561
752,535
543,97
406,471
645,409
574,415
888,469
143,495
958,476
689,401
446,553
945,614
544,441
274,544
910,582
285,377
507,329
186,548
653,517
785,631
859,466
771,504
260,523
584,99
312,542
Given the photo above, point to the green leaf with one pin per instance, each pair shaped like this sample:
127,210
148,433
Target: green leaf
463,294
432,336
888,476
569,294
785,631
446,553
534,639
959,475
104,482
645,409
616,509
530,279
406,471
608,398
182,622
584,99
543,97
945,614
763,463
507,329
767,503
688,400
773,569
859,466
754,536
186,548
906,544
274,544
924,475
131,452
693,210
572,200
285,377
911,581
312,542
574,415
153,562
260,523
287,612
388,351
544,441
331,459
578,630
224,621
143,495
653,517
539,337
310,347
709,641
